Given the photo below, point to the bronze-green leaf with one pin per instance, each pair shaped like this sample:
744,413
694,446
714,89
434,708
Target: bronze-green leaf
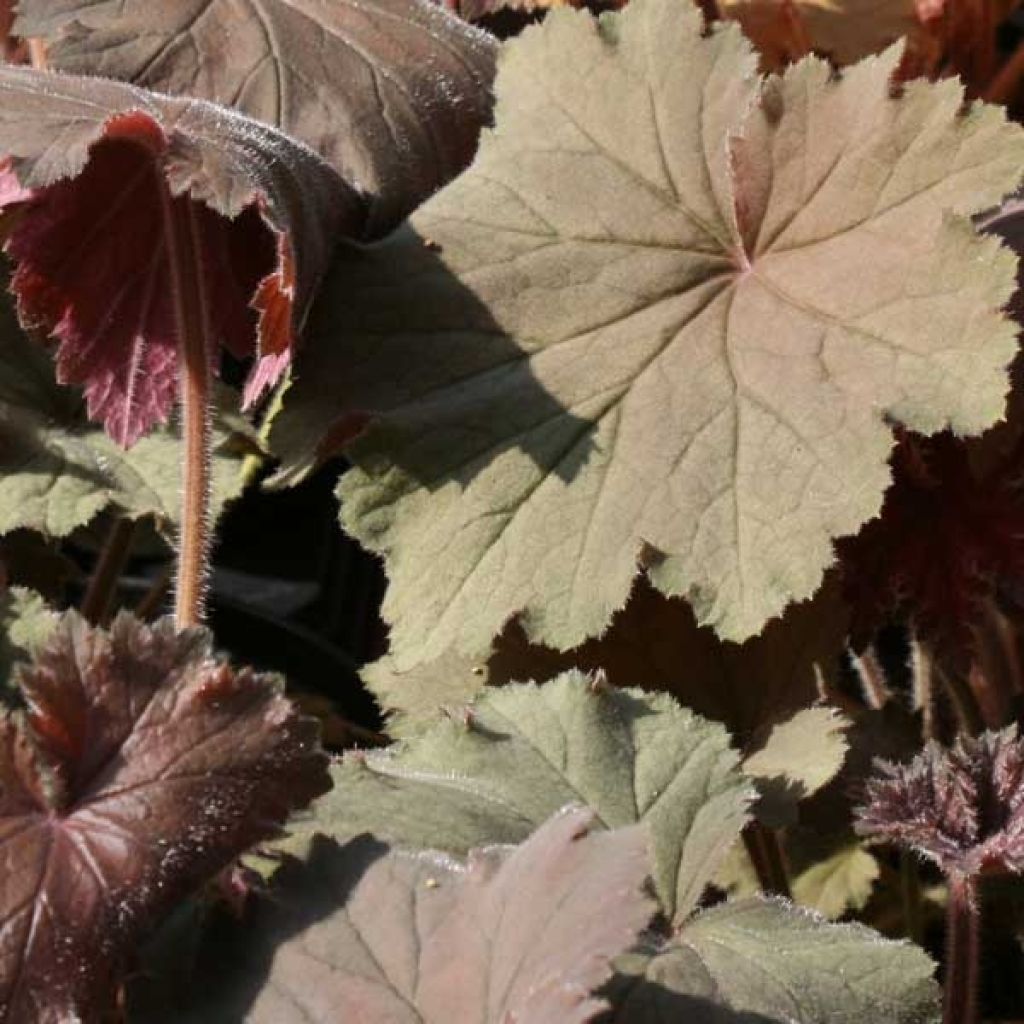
666,318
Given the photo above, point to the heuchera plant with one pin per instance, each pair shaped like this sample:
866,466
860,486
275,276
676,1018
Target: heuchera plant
667,357
964,810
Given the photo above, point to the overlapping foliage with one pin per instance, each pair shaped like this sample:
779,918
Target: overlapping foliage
653,355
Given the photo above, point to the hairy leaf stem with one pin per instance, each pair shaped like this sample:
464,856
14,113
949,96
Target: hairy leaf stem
37,54
872,678
184,258
963,929
965,704
995,675
922,671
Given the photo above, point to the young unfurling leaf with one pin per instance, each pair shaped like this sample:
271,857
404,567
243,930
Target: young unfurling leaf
961,808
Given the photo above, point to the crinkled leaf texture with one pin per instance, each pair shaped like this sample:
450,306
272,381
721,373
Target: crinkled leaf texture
365,934
665,318
765,962
521,752
392,92
141,768
962,808
653,643
58,471
105,164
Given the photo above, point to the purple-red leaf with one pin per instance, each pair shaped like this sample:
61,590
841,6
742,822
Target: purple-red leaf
142,767
961,808
89,165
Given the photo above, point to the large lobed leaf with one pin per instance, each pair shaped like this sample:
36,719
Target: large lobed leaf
392,92
521,752
364,934
666,317
141,768
93,160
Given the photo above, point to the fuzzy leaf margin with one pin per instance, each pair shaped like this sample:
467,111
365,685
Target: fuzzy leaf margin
795,760
775,962
653,643
140,769
25,624
499,769
691,364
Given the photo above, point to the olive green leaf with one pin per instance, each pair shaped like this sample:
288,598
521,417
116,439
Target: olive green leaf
776,963
796,759
521,752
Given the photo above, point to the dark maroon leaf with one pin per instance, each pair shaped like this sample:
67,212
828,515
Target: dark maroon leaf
391,92
362,934
948,533
89,244
141,768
